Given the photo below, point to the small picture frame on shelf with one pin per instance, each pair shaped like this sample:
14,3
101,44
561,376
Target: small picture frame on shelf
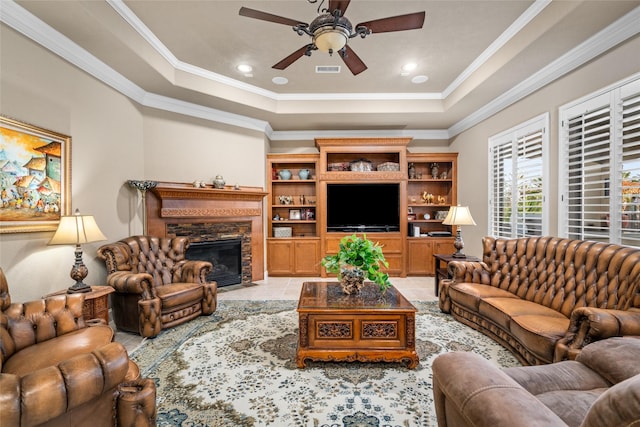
294,214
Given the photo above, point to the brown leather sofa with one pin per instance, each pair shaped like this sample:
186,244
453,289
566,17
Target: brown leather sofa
56,370
156,286
600,388
545,298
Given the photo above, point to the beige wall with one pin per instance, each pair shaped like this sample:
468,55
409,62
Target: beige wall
472,145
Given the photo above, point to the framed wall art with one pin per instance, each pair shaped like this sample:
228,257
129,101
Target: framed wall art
35,177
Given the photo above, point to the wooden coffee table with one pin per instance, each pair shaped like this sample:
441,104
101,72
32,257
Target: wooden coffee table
368,327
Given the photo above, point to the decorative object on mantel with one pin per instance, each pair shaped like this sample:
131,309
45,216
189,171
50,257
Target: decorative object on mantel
218,182
74,230
459,215
143,186
358,258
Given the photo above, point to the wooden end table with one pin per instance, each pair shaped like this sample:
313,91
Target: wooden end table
442,272
367,327
96,302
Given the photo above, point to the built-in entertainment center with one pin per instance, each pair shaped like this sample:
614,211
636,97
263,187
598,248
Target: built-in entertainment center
359,185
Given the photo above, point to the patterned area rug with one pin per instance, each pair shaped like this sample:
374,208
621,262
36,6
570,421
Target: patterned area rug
237,368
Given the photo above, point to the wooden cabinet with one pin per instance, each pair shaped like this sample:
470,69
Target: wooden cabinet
420,250
299,236
293,257
431,191
293,243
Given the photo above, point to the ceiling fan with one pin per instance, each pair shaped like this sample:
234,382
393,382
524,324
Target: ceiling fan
331,30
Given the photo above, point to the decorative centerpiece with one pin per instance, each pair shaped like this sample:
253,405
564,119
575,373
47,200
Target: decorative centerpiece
358,259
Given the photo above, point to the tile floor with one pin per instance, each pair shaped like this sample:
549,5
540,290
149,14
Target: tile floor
288,288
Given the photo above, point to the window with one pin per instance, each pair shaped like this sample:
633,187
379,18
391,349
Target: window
600,145
516,184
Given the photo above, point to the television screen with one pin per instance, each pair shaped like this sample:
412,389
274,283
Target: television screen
363,207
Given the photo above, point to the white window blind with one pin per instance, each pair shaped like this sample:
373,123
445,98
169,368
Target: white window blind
600,146
516,185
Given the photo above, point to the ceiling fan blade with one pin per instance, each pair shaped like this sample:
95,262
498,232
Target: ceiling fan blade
291,58
353,61
410,21
264,16
338,4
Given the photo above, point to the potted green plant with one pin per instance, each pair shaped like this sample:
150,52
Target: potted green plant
358,258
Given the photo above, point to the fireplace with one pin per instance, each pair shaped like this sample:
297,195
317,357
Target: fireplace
226,257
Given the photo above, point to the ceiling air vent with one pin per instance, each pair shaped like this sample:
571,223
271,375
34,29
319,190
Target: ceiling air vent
324,69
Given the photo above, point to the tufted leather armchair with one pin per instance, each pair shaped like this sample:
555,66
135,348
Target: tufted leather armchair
57,370
156,286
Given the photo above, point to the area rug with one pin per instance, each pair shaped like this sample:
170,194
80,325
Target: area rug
237,368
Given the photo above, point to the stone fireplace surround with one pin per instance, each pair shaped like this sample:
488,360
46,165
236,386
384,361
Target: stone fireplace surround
205,214
211,232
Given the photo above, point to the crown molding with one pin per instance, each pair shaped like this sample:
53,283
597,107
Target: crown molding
616,33
313,134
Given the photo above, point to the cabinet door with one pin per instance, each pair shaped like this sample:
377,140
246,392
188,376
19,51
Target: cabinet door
279,257
420,257
306,257
443,246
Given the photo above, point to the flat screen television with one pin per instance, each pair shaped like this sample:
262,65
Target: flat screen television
363,207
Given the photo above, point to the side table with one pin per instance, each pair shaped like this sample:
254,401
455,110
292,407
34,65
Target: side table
96,302
442,272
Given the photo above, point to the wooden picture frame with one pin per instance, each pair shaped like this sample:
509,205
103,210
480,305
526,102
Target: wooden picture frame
294,214
35,177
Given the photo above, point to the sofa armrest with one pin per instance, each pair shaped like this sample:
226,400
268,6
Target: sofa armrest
193,271
125,282
589,324
49,392
137,403
470,390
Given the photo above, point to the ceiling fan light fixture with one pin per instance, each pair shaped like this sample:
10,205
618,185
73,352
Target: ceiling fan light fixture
330,39
330,33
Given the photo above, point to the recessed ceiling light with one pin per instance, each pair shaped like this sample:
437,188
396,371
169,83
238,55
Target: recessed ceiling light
409,66
280,80
419,79
245,68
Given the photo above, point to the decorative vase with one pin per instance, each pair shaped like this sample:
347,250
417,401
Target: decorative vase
303,173
434,171
285,174
351,280
218,181
412,171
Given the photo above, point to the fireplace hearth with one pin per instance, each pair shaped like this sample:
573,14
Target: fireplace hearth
226,257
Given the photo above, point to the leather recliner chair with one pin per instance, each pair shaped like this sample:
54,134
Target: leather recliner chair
58,370
156,286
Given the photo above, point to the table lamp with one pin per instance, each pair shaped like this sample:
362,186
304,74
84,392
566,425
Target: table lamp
77,229
459,215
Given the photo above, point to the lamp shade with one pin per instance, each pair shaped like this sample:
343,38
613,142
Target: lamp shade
459,215
77,229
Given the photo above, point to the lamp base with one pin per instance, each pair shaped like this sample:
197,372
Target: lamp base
79,287
458,244
458,255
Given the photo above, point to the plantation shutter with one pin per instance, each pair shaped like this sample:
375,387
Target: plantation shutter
589,169
516,180
502,165
631,169
600,146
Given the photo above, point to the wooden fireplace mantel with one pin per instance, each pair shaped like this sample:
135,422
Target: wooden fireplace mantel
181,203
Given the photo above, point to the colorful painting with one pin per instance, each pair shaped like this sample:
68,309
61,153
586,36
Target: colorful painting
35,177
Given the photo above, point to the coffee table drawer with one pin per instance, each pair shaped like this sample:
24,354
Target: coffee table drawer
357,331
